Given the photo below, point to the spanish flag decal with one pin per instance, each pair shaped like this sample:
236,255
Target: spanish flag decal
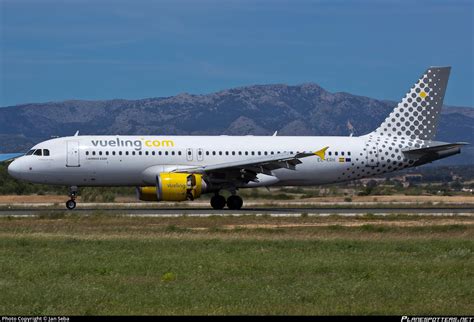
342,159
321,153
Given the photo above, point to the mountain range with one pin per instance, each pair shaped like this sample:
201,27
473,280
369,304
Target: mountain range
305,109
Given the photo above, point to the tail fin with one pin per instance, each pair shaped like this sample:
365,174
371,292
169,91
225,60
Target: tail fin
416,116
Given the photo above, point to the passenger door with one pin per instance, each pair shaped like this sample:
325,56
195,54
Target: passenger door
72,156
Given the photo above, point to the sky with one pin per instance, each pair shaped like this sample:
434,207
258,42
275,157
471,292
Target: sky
55,50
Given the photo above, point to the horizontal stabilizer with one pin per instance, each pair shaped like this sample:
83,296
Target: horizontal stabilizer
435,152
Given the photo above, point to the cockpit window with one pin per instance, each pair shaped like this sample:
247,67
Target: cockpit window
46,152
30,152
38,152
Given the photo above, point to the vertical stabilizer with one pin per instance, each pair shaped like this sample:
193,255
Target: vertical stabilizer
417,115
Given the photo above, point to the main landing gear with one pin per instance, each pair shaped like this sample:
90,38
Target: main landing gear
234,202
71,203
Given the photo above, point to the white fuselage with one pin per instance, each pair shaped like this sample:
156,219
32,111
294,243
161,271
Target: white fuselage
135,160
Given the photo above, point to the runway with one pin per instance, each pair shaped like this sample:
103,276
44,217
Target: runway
255,211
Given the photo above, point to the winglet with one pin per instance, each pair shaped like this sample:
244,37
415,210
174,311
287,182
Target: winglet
322,153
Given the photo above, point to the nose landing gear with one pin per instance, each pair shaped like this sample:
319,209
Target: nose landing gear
71,203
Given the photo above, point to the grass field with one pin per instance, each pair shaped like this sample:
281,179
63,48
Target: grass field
66,264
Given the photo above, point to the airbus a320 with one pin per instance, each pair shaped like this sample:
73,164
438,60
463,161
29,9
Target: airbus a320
179,168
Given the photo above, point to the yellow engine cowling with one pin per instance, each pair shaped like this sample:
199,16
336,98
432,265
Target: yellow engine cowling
173,187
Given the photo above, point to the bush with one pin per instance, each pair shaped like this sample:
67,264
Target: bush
168,277
108,197
282,196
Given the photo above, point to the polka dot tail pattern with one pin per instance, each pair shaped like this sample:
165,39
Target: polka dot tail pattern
416,116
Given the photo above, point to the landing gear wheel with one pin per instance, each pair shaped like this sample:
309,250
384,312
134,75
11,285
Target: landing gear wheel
234,202
218,202
70,204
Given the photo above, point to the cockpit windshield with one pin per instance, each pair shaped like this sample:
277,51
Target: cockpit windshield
38,152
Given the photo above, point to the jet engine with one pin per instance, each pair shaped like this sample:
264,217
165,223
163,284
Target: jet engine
173,187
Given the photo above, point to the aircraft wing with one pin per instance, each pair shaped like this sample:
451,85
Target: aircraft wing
247,170
9,156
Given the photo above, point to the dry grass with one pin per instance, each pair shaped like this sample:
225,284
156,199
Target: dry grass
468,199
239,227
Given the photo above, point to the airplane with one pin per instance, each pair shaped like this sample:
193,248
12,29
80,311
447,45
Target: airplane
180,168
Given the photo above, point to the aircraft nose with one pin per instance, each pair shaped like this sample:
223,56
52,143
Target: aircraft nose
14,169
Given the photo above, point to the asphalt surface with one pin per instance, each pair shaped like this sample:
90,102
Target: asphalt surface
203,212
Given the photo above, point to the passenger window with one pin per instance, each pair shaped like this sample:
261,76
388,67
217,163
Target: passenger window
342,153
146,152
240,152
120,152
139,152
233,152
113,152
179,152
166,152
265,152
207,152
38,152
220,152
272,152
93,152
253,152
159,152
87,152
213,152
152,152
335,153
46,152
349,153
106,152
172,152
226,152
330,153
126,152
133,152
100,152
246,152
259,153
199,152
